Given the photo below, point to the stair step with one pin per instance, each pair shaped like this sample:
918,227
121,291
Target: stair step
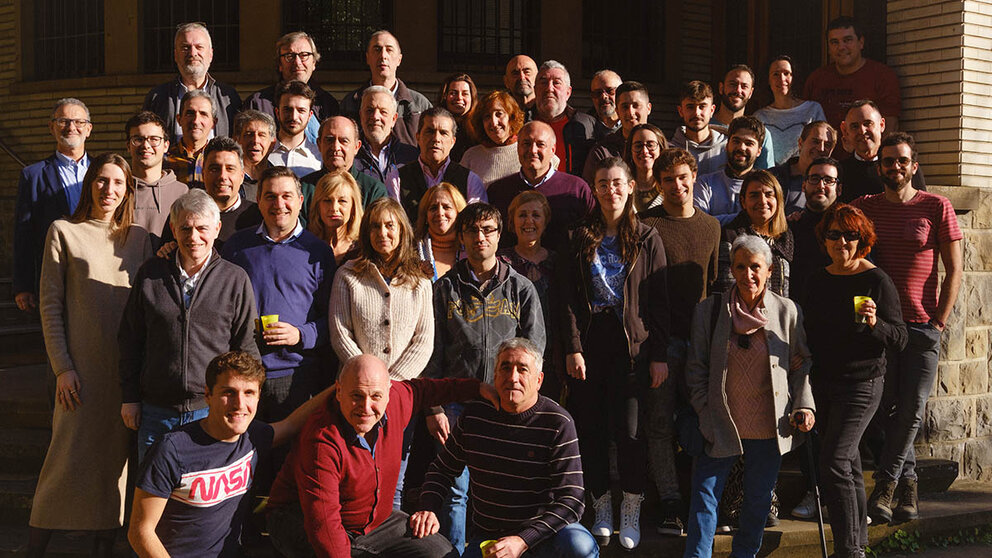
16,493
21,344
22,450
6,288
64,544
10,314
24,397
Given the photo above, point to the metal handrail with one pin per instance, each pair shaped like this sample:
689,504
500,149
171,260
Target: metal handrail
6,149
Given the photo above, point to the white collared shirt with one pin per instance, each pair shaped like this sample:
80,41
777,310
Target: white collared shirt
302,159
297,231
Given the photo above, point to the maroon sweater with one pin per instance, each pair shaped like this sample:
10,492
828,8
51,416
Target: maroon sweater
341,487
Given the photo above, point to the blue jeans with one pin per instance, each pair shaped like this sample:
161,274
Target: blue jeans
404,459
908,382
573,541
709,476
157,421
454,510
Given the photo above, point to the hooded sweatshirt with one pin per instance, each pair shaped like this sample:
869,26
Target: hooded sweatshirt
152,202
711,154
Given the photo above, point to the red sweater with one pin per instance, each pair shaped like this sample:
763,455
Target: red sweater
341,487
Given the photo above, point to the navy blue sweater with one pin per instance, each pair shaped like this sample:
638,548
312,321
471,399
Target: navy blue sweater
291,279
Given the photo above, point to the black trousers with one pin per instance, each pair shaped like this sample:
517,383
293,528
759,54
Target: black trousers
607,405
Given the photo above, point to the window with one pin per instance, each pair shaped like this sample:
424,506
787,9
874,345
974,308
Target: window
482,35
341,28
68,39
626,36
158,27
795,29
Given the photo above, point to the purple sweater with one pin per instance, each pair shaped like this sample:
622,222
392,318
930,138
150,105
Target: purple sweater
569,197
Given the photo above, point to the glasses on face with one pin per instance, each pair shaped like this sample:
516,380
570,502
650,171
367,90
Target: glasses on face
848,236
292,56
77,122
640,146
815,179
615,185
138,141
891,161
486,231
611,91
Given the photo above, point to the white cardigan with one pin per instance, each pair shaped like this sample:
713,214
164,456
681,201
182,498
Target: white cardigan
394,323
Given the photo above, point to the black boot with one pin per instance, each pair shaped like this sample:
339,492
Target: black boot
880,501
908,501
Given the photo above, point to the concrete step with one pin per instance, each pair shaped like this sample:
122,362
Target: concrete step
64,544
24,397
16,494
22,450
10,314
6,289
21,344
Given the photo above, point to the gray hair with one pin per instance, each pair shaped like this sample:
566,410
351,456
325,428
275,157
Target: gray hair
525,345
751,244
604,73
373,89
382,32
555,65
187,27
193,94
70,101
197,203
246,117
290,38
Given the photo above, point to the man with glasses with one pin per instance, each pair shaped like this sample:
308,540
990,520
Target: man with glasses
862,131
633,108
155,188
479,304
46,191
193,50
821,183
296,59
816,140
914,228
604,102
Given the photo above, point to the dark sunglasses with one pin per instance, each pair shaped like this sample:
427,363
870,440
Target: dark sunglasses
849,236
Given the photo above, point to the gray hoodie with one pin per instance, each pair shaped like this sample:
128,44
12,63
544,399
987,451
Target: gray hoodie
711,155
152,202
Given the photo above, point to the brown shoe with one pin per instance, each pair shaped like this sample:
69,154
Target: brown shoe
880,501
908,501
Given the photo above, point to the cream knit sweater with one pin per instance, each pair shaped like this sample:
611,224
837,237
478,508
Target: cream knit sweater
394,323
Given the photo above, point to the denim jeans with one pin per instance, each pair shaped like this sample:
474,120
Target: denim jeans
404,459
709,476
573,541
158,421
455,509
908,383
660,427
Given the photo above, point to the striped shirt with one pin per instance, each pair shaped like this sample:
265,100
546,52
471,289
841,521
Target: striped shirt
524,469
908,246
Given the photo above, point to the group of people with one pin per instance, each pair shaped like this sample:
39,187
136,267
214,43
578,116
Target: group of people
455,310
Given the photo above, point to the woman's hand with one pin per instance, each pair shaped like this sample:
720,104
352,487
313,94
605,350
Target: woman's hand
67,390
439,427
803,419
575,365
869,310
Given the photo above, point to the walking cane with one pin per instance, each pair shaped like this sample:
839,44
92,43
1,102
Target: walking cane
816,493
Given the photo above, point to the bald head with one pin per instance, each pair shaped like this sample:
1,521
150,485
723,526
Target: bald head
521,71
535,148
338,142
363,392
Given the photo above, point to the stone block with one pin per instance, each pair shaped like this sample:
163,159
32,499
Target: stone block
983,416
945,450
952,345
977,461
948,419
948,379
982,215
974,377
977,299
978,250
976,343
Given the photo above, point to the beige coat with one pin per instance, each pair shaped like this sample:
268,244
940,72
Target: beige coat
394,323
706,372
85,281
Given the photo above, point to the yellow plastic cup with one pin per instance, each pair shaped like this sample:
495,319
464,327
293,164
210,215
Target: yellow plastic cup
486,546
859,301
268,320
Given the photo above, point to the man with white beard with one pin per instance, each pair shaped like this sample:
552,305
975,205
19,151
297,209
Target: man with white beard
573,129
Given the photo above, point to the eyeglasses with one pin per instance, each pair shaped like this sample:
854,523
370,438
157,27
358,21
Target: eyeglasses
486,231
292,56
848,236
616,185
138,141
64,122
891,161
611,91
815,179
640,146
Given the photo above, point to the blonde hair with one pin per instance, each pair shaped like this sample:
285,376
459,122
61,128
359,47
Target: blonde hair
430,196
527,196
327,186
777,225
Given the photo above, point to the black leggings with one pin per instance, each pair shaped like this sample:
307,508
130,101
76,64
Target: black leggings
606,405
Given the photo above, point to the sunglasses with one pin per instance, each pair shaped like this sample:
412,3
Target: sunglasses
849,236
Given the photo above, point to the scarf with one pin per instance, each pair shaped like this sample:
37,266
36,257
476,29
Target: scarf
746,322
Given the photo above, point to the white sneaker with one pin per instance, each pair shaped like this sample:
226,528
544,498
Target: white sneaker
630,520
806,508
602,529
869,520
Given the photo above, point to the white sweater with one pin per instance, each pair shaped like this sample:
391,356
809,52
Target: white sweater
394,323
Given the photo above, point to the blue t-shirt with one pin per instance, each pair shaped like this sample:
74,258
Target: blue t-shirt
608,275
206,482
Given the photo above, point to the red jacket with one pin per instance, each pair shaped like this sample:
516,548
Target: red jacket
338,483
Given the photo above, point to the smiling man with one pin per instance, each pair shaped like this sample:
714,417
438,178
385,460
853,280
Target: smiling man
633,107
524,465
155,188
193,51
735,91
192,498
197,118
862,131
182,311
817,140
294,107
573,130
716,193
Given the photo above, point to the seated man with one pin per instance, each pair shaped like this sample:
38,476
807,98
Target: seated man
334,496
192,491
524,468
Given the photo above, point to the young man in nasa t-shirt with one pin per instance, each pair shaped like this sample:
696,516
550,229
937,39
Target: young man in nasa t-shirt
191,492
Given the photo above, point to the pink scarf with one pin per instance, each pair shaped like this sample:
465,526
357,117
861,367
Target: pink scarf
746,322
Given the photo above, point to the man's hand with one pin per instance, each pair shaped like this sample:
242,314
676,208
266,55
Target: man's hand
167,249
424,524
26,301
489,393
281,333
575,365
507,547
131,413
659,373
438,426
803,419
